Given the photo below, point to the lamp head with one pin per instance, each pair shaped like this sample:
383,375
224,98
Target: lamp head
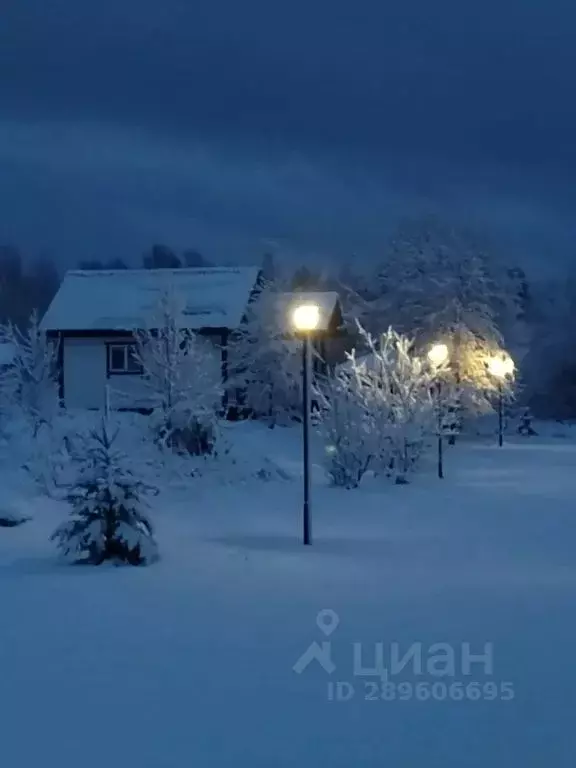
501,366
306,317
438,354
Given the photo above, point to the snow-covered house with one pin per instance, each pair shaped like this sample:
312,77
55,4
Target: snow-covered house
95,313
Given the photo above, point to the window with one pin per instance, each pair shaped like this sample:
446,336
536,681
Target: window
122,358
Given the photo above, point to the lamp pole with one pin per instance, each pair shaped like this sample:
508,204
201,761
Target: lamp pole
502,368
306,402
440,428
306,318
438,356
500,413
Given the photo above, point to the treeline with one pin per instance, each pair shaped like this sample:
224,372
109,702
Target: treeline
426,274
31,284
24,286
157,257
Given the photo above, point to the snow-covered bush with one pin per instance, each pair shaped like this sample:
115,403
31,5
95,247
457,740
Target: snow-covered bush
346,426
400,386
265,364
108,515
378,411
183,376
28,386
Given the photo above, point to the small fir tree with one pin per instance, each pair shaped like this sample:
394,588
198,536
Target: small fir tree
108,516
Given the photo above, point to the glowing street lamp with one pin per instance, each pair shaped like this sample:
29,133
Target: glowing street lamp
501,367
438,355
306,317
305,321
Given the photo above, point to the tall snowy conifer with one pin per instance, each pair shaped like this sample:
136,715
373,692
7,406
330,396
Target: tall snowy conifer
265,362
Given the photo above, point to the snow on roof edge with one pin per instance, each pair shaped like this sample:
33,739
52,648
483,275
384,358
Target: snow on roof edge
162,271
216,297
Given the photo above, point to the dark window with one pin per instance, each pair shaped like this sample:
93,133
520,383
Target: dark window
122,358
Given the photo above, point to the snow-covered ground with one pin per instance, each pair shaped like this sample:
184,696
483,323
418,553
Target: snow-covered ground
190,662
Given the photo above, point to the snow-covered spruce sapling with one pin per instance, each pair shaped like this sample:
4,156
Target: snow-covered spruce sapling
109,521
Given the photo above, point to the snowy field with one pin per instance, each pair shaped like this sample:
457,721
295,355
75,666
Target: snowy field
190,662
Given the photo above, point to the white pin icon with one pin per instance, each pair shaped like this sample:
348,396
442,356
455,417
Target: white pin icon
327,621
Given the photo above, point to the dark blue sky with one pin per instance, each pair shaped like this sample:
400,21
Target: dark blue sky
234,126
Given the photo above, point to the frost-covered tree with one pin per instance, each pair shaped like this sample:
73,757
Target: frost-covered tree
29,382
183,376
378,411
265,362
437,282
345,423
109,520
440,284
400,385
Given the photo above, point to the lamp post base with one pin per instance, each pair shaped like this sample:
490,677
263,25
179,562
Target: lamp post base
307,538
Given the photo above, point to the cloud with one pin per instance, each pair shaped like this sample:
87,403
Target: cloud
489,82
95,189
310,123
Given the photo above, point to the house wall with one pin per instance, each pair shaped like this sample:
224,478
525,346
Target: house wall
85,375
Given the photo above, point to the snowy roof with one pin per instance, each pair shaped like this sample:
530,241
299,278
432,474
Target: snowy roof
327,301
124,299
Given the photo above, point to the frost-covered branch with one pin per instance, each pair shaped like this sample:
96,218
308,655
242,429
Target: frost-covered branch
183,376
29,383
377,411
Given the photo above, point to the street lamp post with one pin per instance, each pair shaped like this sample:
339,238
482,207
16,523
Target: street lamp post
500,414
438,356
502,368
305,319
